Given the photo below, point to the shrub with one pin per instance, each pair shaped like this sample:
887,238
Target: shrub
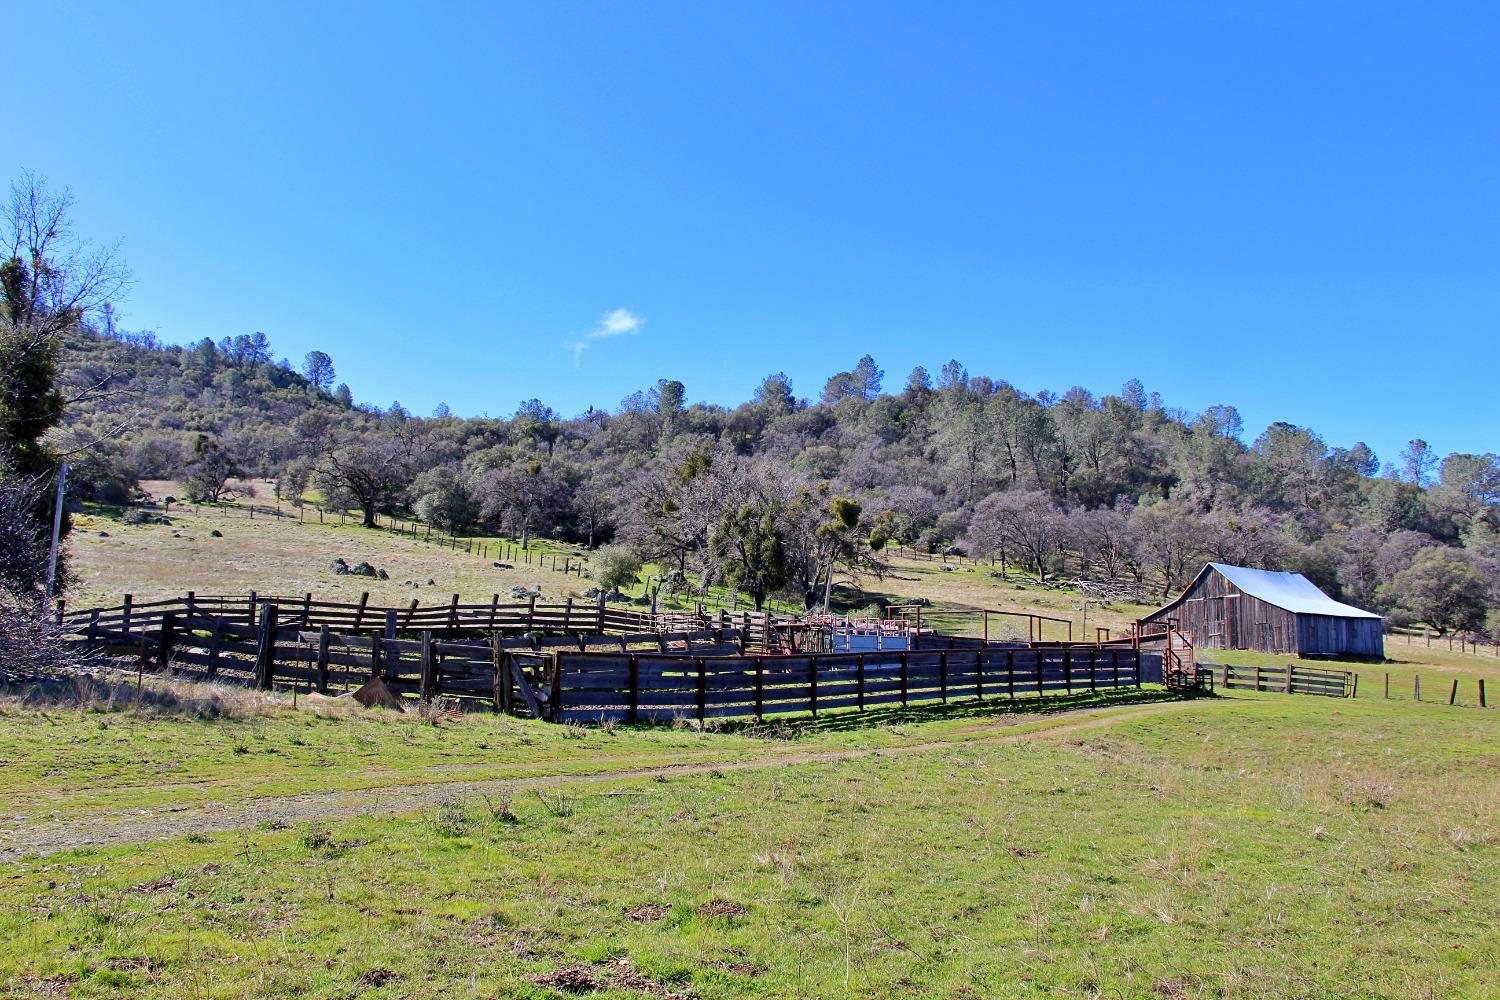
616,567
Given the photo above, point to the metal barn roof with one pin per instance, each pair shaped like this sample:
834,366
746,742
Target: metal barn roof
1290,591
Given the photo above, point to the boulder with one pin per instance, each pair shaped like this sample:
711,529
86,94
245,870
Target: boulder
362,568
216,533
382,574
591,593
103,534
338,567
431,582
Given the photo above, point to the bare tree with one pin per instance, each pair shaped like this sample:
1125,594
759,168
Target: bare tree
1025,522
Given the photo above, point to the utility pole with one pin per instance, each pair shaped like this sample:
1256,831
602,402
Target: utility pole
57,512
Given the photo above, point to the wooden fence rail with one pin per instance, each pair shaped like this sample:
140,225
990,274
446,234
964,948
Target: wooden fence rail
571,617
1289,679
644,687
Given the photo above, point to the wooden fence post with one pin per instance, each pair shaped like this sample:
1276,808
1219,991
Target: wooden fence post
1289,669
531,613
635,688
323,659
943,676
499,683
214,638
812,684
453,614
387,653
567,614
859,676
125,616
164,643
1068,670
760,689
427,683
903,678
250,613
1039,679
1453,694
702,689
1481,694
265,660
359,612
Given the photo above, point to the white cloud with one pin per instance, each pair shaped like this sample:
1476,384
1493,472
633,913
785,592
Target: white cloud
616,322
612,324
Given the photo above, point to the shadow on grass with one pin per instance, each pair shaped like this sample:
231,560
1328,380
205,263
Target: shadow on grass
798,725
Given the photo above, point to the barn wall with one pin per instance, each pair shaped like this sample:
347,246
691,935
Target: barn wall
1325,635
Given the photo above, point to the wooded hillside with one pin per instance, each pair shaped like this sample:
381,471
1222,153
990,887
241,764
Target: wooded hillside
776,493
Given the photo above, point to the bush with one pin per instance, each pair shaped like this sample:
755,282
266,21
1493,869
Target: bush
616,568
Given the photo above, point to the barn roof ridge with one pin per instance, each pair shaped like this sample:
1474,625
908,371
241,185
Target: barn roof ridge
1289,591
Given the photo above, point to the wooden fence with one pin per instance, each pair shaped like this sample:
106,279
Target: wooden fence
642,687
124,621
1289,679
507,673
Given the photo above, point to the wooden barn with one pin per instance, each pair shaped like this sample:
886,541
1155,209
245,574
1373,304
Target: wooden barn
1231,607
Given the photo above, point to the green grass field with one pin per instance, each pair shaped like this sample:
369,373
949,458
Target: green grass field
1247,846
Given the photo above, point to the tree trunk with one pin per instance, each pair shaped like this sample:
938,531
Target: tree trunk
368,508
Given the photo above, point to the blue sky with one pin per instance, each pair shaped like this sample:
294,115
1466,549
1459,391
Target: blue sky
1291,208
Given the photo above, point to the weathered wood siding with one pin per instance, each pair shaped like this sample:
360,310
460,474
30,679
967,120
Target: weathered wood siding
1325,635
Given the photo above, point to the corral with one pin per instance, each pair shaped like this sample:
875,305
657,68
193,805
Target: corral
593,662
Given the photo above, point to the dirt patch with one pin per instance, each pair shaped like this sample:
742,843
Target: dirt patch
722,908
747,969
620,974
373,979
49,986
647,912
569,979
